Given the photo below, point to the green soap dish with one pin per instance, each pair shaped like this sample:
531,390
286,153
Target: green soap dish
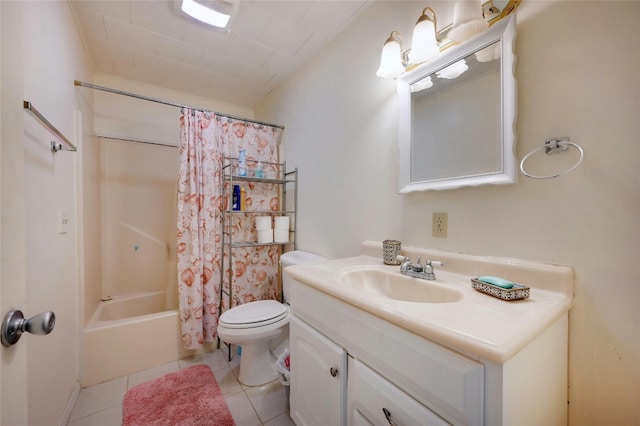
517,292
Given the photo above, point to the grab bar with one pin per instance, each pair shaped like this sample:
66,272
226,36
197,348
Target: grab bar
55,146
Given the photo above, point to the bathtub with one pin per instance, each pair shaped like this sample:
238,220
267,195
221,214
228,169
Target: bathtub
131,333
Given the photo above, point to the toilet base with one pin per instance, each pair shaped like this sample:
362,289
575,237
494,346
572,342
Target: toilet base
255,364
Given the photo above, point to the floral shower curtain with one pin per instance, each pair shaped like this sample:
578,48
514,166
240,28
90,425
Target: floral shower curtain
199,209
205,139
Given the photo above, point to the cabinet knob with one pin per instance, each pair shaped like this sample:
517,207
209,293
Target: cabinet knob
387,415
333,371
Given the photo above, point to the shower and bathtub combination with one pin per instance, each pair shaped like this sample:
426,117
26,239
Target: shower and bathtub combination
136,325
140,201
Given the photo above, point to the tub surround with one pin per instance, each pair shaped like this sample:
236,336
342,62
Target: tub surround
478,324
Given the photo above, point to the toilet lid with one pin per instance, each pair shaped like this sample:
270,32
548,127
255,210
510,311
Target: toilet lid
254,314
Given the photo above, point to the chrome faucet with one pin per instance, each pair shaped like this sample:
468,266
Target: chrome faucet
418,270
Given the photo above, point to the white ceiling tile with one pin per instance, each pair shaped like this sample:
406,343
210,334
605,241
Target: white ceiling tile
280,62
92,24
179,51
285,36
123,58
288,10
124,62
257,76
154,69
251,22
163,17
247,51
115,8
331,13
152,42
102,56
202,36
221,64
130,36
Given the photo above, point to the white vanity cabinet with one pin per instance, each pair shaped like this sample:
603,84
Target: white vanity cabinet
318,377
417,377
414,379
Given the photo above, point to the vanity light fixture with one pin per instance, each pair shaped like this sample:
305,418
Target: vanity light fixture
391,63
424,45
394,61
216,13
468,20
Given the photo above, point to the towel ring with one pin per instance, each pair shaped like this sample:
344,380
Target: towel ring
553,146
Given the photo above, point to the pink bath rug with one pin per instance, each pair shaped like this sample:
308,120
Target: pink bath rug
188,397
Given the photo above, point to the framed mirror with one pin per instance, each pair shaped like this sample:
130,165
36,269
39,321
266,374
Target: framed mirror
457,115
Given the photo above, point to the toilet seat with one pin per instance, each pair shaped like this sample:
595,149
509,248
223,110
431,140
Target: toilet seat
255,314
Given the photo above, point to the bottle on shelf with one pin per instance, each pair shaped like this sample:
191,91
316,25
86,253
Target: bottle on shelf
242,162
243,199
259,170
236,198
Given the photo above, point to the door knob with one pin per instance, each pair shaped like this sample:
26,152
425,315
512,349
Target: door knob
14,325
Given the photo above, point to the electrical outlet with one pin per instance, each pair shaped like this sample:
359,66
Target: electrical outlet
439,229
63,222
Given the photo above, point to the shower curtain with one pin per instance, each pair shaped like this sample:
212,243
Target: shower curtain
205,139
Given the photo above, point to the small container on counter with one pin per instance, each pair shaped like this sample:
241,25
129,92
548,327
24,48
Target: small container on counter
391,249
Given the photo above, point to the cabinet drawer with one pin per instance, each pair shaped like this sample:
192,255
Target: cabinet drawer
369,395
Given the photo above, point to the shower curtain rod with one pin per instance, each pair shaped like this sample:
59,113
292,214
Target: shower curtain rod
161,101
116,138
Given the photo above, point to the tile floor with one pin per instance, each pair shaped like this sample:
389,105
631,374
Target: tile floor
101,405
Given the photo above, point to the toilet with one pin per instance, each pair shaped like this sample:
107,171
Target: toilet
254,325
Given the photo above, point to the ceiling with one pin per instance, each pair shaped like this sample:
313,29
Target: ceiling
152,42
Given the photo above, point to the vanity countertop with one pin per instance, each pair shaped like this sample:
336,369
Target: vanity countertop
478,324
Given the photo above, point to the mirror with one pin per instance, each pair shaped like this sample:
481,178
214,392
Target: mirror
457,115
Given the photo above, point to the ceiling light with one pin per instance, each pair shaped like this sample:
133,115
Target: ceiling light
217,13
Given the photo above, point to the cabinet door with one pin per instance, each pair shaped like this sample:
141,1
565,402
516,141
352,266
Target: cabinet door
318,377
372,398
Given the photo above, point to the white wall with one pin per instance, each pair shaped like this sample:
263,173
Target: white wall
577,68
139,217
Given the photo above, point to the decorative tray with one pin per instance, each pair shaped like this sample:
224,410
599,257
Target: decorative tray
518,291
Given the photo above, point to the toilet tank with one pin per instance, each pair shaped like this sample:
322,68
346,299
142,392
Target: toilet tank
296,257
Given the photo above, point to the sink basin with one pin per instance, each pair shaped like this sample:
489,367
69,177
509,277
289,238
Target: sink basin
393,285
